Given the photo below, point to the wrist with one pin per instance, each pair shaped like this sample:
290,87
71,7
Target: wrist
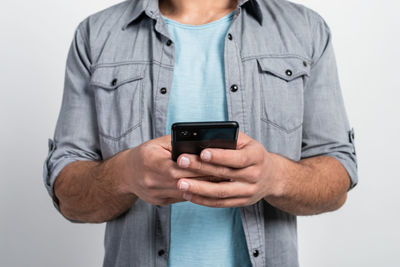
278,177
124,174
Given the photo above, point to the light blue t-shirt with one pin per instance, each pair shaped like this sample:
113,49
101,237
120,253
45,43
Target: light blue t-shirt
202,236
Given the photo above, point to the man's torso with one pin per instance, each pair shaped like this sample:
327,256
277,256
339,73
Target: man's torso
267,57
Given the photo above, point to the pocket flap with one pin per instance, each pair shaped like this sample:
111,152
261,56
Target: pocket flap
111,77
286,68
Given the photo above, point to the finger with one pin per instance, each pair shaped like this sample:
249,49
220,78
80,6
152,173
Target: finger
217,203
169,169
172,194
247,156
193,162
216,190
172,183
162,194
212,179
161,182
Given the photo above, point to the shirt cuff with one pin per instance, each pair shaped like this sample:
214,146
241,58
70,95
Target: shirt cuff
51,170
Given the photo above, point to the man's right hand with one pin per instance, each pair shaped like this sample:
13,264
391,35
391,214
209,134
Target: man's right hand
99,191
152,175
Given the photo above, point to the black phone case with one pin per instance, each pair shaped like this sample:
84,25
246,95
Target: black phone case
216,134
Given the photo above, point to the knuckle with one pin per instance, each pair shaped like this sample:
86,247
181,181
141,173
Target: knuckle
217,203
243,159
221,171
198,165
194,188
148,182
258,172
173,173
253,177
222,193
252,190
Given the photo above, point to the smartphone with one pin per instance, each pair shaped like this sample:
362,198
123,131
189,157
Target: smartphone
193,137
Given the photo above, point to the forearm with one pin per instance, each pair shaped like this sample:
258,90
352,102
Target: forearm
90,191
310,186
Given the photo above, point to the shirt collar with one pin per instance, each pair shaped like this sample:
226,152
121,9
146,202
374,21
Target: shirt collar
150,7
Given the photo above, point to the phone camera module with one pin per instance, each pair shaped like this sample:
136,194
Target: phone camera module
184,133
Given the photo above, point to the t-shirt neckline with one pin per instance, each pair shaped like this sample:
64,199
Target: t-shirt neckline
201,26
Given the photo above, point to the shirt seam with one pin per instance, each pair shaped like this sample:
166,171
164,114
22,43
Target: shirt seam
121,63
276,56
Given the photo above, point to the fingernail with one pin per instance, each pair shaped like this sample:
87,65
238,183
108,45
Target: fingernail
184,162
187,196
206,155
184,186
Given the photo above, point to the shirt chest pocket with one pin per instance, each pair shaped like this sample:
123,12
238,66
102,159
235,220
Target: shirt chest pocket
281,91
118,98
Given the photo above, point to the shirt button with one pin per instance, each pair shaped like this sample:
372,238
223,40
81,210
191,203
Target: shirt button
256,253
163,90
305,64
161,252
288,72
114,82
234,88
169,42
229,36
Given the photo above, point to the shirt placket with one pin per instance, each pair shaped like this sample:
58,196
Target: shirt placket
161,92
235,93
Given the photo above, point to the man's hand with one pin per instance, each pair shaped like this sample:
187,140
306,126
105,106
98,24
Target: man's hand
99,191
152,175
310,186
250,168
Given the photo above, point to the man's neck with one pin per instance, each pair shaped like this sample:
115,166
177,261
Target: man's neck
196,12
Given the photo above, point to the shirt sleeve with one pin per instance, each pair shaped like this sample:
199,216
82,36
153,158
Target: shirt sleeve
326,129
76,133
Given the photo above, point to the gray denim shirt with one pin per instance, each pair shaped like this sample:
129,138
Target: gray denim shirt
280,57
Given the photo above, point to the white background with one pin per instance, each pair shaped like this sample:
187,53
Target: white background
35,36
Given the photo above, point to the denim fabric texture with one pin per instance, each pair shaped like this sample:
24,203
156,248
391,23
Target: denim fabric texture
277,53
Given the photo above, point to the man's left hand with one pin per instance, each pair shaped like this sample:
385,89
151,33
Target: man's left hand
250,171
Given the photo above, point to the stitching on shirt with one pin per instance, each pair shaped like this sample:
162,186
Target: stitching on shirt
121,63
277,56
248,231
226,75
243,91
280,127
258,216
260,210
122,136
155,95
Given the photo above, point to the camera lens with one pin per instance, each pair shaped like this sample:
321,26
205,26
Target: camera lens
184,133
